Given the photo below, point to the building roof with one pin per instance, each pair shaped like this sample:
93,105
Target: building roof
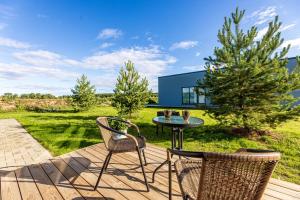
201,71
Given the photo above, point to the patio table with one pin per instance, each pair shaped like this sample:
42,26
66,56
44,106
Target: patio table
178,124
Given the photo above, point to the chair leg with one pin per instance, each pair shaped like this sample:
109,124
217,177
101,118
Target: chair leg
102,170
143,151
170,179
105,168
143,170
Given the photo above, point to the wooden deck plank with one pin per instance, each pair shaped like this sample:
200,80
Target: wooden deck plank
28,188
126,163
73,175
285,184
279,195
61,183
113,179
284,190
161,181
83,187
9,187
154,162
90,177
44,184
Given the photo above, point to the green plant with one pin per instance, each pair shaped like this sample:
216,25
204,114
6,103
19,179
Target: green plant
83,97
118,125
131,92
247,79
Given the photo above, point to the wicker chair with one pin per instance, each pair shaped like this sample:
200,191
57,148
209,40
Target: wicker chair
116,144
210,176
161,113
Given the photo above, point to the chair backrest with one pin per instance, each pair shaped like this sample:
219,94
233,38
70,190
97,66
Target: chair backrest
106,134
175,113
235,176
161,113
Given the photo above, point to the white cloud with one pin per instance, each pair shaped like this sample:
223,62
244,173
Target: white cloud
287,27
263,31
184,45
264,15
10,71
7,42
106,81
295,43
110,33
198,54
44,58
106,45
149,61
194,68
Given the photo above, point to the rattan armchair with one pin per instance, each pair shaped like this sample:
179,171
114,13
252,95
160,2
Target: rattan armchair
115,144
212,176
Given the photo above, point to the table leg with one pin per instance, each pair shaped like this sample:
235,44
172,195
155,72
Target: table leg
176,135
181,138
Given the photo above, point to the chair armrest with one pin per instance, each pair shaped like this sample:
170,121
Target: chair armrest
134,139
192,154
135,126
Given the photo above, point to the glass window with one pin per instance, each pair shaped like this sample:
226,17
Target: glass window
185,96
193,95
190,96
201,98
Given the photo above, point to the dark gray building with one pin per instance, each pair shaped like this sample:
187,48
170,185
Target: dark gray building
178,90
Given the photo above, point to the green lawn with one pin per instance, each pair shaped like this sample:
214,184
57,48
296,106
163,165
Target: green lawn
64,132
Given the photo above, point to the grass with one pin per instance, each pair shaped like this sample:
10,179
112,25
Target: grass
66,131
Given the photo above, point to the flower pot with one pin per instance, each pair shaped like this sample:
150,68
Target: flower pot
186,115
167,114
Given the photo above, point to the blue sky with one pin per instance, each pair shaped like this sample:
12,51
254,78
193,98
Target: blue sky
45,45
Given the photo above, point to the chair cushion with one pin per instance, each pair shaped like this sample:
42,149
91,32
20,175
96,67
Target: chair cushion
117,136
126,144
188,173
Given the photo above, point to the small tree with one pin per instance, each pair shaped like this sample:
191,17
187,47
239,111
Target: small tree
83,97
131,92
248,80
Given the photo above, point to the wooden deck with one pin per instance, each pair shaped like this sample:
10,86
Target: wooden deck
73,175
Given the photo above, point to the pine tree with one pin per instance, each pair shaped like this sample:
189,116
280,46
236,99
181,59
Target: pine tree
83,97
131,92
247,79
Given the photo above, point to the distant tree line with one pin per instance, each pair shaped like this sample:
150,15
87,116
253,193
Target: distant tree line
12,96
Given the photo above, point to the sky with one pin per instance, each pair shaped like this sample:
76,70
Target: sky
45,45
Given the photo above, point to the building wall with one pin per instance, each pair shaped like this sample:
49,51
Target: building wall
170,87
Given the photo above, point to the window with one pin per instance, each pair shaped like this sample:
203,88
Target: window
185,96
190,96
193,95
201,98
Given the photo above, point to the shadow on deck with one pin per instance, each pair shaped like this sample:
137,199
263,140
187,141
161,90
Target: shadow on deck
73,175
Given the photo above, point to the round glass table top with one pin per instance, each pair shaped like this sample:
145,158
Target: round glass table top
178,121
